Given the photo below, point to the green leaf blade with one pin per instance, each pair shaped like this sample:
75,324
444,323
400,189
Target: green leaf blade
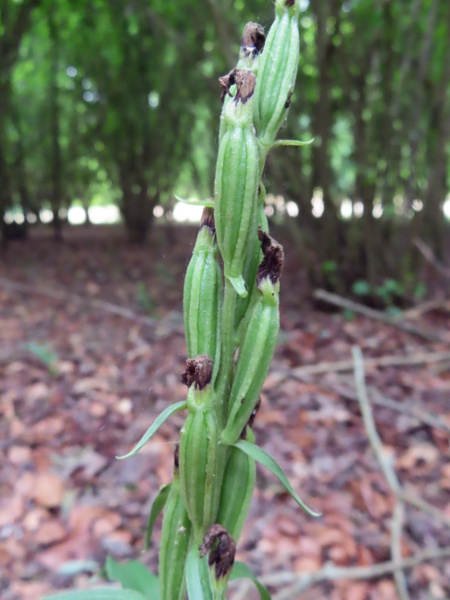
198,580
270,463
158,504
279,143
242,571
168,412
133,575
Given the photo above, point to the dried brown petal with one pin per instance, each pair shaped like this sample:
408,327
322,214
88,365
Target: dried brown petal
253,39
226,82
207,219
272,262
222,556
245,84
198,371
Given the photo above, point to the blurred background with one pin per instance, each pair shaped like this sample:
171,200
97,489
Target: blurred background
109,111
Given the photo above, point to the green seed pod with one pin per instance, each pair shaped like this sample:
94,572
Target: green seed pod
202,295
237,490
258,346
199,439
176,529
277,71
252,43
236,182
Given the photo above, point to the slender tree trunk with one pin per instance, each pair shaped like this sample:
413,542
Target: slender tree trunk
56,155
433,222
322,120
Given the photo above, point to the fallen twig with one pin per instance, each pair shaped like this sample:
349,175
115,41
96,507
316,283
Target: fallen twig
412,410
429,256
370,363
331,572
377,446
428,306
398,519
375,315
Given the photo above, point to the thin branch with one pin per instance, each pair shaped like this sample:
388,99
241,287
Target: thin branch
398,518
429,256
375,315
428,306
331,572
412,410
377,446
369,423
421,358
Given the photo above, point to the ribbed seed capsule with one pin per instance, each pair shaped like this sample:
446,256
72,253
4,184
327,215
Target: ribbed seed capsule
199,438
277,71
237,490
203,294
258,346
236,182
176,529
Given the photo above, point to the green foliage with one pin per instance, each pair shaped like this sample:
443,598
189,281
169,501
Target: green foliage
45,354
197,576
270,463
361,288
143,299
133,575
168,412
242,571
157,508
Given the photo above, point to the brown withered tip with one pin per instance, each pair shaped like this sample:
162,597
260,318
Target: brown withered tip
176,457
226,82
245,85
289,3
273,260
222,556
198,371
207,219
253,39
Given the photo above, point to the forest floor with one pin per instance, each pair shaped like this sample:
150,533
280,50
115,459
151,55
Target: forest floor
80,384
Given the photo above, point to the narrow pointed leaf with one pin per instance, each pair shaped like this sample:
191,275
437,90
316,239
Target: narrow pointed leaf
133,575
208,203
265,459
105,594
242,571
198,580
170,410
158,504
279,143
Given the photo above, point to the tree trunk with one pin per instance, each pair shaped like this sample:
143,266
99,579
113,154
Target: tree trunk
56,156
